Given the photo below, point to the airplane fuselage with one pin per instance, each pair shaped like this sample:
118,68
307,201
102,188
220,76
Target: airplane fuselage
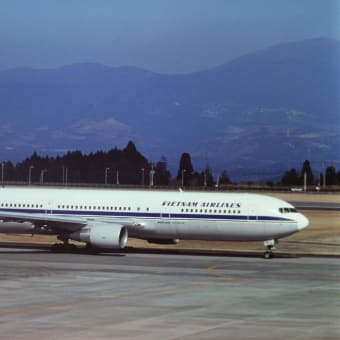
151,214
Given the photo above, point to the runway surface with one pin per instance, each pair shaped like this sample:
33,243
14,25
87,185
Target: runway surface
166,296
317,205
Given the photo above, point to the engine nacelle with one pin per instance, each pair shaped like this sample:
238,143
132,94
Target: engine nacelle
103,235
163,241
17,227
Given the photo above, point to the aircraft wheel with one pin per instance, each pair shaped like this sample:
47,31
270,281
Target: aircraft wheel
63,248
268,255
57,248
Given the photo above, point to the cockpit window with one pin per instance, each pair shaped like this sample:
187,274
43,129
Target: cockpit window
287,210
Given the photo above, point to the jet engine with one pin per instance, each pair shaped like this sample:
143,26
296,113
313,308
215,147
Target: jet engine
104,235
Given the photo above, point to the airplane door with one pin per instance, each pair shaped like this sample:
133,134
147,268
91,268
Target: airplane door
165,214
252,215
168,226
48,209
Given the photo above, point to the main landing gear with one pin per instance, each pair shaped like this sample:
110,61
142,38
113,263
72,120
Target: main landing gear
270,246
64,247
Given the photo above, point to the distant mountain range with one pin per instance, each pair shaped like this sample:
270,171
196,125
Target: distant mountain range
254,116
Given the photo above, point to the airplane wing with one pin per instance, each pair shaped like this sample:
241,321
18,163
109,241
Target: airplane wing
53,222
61,223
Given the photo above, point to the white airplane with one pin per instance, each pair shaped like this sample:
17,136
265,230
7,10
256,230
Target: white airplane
103,218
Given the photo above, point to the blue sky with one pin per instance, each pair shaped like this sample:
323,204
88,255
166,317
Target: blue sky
167,36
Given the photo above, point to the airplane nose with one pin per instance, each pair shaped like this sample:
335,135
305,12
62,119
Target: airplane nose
302,222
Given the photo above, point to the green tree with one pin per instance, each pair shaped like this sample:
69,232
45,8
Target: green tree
331,177
130,149
162,174
206,177
224,178
290,177
185,170
306,169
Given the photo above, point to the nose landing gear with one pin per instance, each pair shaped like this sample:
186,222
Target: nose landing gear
270,246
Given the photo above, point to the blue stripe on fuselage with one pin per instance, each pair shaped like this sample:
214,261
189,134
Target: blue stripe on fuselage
147,215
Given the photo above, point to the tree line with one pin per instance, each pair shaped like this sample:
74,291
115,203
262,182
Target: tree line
117,166
129,166
294,178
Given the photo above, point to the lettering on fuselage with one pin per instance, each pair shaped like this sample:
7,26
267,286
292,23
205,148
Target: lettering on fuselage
192,204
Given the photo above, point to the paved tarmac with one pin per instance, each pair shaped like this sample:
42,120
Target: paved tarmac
166,296
316,205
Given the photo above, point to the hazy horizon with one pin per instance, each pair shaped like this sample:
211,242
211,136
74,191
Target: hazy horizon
159,36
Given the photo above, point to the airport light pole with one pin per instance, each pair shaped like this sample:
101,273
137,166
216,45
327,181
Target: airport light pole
106,171
42,176
152,173
30,174
117,177
142,176
2,173
183,171
217,181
